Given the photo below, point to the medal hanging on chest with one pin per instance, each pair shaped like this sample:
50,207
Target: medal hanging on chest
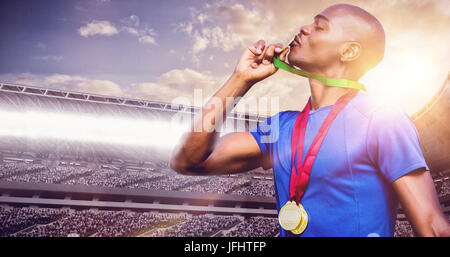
293,216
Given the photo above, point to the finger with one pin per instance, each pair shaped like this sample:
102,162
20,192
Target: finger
270,53
259,46
284,54
253,50
262,56
278,48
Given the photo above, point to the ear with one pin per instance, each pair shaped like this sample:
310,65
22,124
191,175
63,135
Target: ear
350,51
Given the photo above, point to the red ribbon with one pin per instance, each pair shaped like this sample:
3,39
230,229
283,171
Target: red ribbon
300,174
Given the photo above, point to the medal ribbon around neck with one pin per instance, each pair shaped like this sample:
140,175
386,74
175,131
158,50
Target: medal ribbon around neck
332,82
300,174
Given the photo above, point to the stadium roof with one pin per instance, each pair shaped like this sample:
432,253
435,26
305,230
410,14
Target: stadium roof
433,126
121,101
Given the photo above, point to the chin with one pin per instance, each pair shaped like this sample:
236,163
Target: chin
297,62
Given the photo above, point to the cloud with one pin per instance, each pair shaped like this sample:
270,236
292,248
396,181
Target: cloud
131,31
88,6
66,82
134,19
202,17
153,91
62,79
104,28
133,26
228,26
56,58
101,87
82,84
147,40
176,83
201,42
41,46
25,78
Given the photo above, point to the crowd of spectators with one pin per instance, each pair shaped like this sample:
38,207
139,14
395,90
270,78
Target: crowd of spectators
114,178
170,182
254,227
45,222
58,222
403,229
51,175
55,222
130,223
199,226
218,185
16,169
153,180
13,220
257,188
48,222
444,188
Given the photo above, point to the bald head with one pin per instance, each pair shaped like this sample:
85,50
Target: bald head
360,26
343,40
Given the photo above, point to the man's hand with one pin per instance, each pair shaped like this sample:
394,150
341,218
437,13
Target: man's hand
256,63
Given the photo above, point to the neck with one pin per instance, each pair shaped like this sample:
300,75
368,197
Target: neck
323,95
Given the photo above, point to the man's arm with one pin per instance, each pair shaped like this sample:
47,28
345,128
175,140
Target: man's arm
201,151
419,199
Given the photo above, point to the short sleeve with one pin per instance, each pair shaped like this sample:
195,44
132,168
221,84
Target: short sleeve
393,144
267,133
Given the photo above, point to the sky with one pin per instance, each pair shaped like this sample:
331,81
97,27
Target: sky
164,50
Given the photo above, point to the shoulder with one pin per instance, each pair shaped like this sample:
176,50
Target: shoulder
277,123
283,117
390,121
288,115
364,104
388,114
377,112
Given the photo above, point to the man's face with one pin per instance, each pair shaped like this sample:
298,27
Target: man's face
317,46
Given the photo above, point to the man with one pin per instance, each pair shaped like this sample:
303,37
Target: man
369,159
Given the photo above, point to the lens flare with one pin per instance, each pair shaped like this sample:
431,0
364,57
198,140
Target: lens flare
406,80
89,128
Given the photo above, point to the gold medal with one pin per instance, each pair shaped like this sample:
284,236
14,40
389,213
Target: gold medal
293,217
304,222
290,216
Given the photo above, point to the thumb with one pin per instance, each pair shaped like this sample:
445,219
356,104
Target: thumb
284,53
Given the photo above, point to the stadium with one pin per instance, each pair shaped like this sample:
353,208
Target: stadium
57,180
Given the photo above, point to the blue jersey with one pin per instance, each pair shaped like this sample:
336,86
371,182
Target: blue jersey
349,192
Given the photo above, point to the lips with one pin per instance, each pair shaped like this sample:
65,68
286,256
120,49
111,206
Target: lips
296,41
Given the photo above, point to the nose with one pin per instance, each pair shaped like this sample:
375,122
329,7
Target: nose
305,30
